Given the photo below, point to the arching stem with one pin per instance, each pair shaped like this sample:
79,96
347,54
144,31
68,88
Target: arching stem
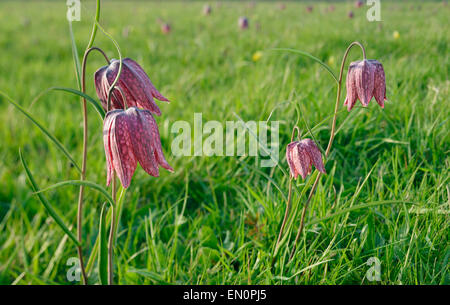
83,165
330,142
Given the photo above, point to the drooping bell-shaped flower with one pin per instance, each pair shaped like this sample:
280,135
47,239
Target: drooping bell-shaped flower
166,28
301,155
139,91
365,79
132,136
243,23
358,3
207,9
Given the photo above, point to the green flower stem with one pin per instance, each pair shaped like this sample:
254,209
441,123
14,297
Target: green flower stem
94,26
83,165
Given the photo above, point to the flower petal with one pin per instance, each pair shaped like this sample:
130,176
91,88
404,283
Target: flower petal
99,88
314,154
379,83
351,98
289,150
110,116
139,89
159,155
124,160
142,140
136,68
301,160
364,79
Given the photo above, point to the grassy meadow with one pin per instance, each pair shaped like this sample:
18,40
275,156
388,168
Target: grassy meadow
215,220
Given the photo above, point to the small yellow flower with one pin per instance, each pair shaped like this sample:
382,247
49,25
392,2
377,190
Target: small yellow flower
396,35
257,56
331,61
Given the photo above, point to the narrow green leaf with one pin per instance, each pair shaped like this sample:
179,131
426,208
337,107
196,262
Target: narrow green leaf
103,253
90,184
97,106
76,58
44,201
44,130
119,207
311,57
94,27
356,207
150,275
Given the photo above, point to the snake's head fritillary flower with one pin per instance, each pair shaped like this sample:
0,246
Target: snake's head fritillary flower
351,14
132,136
243,23
359,4
166,28
136,86
331,8
207,9
365,79
282,6
301,155
309,9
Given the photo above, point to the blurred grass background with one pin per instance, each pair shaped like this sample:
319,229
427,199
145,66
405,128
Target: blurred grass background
215,220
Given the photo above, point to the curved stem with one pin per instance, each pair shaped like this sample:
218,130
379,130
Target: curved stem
336,107
94,26
83,165
330,142
111,88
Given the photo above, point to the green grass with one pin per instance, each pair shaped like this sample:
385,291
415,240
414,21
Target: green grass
215,219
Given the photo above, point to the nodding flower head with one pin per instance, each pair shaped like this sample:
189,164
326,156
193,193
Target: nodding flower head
207,9
132,136
134,83
309,9
350,15
358,3
301,155
365,79
243,23
166,28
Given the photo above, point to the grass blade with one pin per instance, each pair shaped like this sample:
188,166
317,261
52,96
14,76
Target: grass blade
356,207
44,130
150,275
44,201
76,58
97,106
311,57
90,184
119,207
103,253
